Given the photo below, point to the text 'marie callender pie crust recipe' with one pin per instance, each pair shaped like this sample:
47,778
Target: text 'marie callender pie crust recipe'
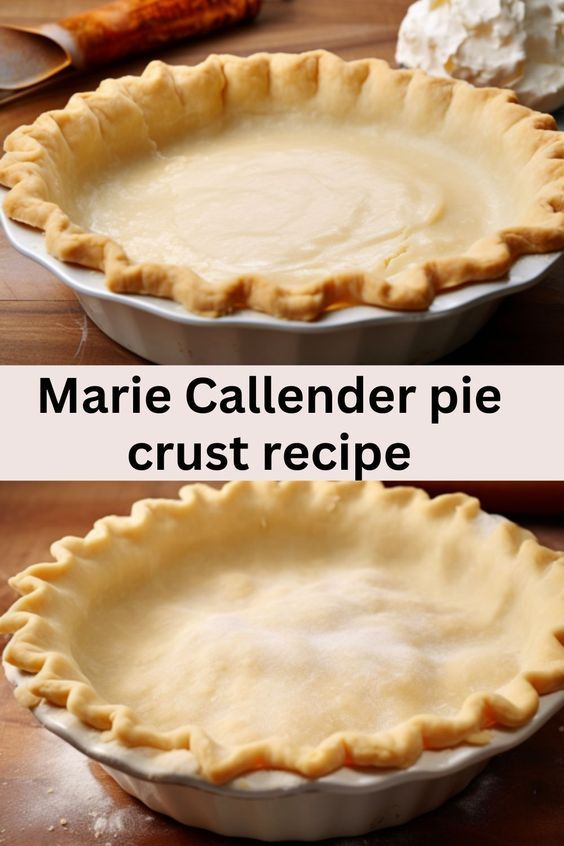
289,184
293,626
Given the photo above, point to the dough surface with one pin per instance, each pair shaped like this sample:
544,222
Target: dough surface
308,651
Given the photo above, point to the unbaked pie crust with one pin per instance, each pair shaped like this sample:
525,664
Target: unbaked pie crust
297,626
290,184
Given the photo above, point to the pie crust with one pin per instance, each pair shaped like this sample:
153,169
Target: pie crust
298,626
271,182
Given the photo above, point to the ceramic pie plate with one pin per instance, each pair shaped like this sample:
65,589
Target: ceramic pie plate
162,331
300,186
274,805
264,760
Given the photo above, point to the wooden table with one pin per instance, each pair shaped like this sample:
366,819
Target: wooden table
41,321
518,800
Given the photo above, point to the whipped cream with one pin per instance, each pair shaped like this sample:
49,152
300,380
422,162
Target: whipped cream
516,44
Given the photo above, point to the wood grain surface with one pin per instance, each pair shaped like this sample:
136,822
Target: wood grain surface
51,794
41,321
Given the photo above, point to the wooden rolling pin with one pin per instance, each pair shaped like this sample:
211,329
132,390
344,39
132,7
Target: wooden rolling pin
125,27
31,55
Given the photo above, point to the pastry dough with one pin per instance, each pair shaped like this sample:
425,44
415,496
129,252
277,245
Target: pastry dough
300,626
290,184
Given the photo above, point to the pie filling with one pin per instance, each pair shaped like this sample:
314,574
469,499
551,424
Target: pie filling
295,200
340,644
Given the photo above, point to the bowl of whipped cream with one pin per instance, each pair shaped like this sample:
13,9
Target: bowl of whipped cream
501,43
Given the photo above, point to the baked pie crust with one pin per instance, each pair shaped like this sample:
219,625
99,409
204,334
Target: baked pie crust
297,626
289,184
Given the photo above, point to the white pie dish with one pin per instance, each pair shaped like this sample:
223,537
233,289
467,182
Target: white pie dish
163,332
276,805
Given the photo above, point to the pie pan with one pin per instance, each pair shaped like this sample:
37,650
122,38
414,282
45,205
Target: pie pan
299,186
273,805
269,643
163,332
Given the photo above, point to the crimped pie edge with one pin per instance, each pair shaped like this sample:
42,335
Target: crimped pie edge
289,80
58,680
